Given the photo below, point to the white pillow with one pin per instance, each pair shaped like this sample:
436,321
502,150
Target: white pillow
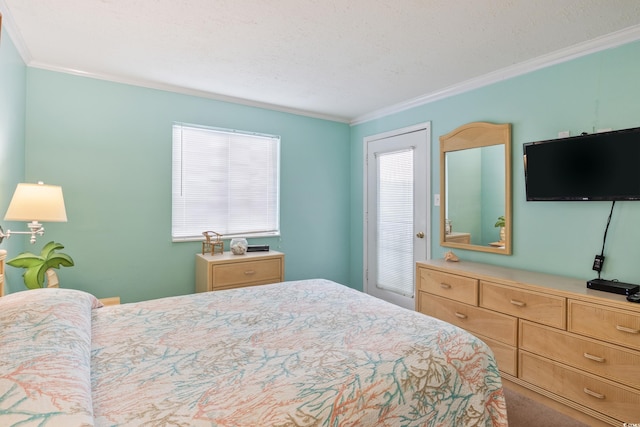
45,355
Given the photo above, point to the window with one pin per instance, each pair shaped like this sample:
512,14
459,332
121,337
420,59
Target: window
226,181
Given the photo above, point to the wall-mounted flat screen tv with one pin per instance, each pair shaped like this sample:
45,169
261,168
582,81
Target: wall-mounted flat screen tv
598,166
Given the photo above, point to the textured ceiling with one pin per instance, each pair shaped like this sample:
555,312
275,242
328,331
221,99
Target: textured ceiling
341,59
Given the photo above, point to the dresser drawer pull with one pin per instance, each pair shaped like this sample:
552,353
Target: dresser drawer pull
518,303
628,330
445,286
249,272
461,315
594,358
593,393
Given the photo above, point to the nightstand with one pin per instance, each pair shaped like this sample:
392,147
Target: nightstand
227,271
110,301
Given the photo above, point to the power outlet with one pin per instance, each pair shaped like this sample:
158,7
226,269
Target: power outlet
436,200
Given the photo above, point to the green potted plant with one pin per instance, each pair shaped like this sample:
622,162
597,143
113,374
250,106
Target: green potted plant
36,266
501,224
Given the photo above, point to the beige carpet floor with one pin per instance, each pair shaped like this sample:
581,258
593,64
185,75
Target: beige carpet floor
524,412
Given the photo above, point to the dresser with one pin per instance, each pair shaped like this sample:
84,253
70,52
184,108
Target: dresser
562,343
227,271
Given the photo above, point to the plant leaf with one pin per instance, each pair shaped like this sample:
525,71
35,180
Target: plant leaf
40,273
57,260
25,260
31,280
49,248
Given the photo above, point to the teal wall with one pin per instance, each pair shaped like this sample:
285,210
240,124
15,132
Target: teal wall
13,88
109,146
601,90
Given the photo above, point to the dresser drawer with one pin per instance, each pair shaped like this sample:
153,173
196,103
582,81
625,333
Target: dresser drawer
606,360
541,308
609,324
506,356
607,397
476,320
257,272
452,286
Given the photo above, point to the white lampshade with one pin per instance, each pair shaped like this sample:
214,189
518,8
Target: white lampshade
37,202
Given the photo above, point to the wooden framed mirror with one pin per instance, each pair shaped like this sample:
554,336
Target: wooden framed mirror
475,188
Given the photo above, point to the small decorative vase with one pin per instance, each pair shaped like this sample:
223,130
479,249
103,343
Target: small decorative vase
502,234
238,246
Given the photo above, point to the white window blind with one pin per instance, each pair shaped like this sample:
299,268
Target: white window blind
226,181
395,222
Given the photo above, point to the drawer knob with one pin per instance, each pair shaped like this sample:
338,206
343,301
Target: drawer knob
518,303
249,272
461,315
628,330
445,286
594,358
593,393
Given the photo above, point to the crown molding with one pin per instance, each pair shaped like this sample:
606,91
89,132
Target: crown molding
608,41
12,30
186,91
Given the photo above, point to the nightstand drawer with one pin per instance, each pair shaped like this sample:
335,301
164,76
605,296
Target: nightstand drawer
596,357
476,320
609,324
246,273
607,397
226,271
459,288
541,308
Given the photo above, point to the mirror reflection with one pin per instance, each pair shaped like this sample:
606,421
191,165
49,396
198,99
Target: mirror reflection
475,187
475,195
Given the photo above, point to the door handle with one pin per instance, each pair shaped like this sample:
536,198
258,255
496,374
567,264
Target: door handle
420,235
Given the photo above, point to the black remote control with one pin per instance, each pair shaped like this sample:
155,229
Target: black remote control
634,298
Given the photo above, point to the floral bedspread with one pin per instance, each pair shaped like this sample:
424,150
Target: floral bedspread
305,353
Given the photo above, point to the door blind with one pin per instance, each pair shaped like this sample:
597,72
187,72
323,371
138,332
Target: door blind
395,222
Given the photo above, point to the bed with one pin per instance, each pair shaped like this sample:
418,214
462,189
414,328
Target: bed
299,353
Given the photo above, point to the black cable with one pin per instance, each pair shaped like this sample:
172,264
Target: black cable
604,240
